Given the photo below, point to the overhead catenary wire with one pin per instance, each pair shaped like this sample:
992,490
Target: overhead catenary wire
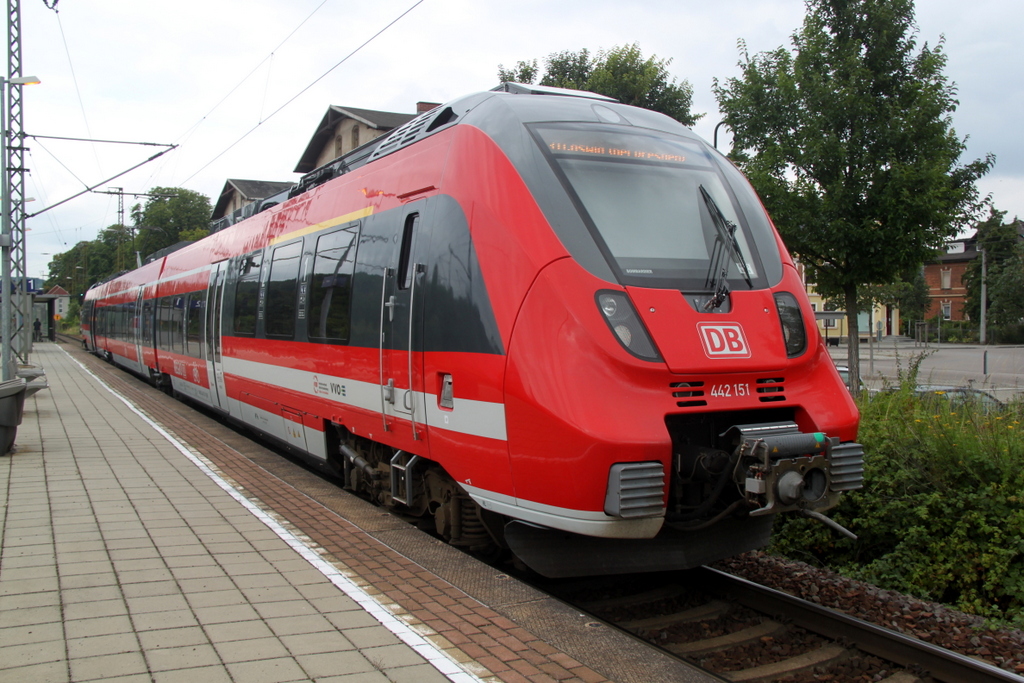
62,164
102,182
301,92
74,79
188,132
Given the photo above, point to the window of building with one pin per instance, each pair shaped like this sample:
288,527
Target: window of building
947,279
330,292
281,289
947,310
355,136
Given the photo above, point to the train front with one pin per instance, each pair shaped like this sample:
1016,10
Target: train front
667,390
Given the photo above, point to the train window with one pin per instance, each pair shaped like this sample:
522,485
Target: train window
247,291
330,293
281,289
163,323
660,206
147,323
193,330
405,270
178,320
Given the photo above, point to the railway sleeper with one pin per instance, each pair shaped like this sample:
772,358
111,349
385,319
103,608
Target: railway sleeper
823,656
744,636
709,610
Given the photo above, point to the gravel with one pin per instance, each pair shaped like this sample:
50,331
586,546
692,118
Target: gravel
931,622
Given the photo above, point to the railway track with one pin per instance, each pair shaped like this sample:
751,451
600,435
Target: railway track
741,631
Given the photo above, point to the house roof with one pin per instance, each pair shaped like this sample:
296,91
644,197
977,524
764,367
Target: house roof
379,120
959,250
966,249
57,290
249,190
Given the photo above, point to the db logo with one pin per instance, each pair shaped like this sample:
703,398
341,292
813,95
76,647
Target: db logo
723,340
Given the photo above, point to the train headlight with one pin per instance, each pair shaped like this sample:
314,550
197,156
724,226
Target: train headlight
793,332
625,323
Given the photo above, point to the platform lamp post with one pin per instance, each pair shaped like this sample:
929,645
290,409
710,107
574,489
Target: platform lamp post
6,241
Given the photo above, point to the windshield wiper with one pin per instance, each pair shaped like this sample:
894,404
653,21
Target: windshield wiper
725,241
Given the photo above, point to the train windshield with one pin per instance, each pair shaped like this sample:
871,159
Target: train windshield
664,211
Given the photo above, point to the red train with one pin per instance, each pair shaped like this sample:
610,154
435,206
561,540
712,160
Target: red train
545,322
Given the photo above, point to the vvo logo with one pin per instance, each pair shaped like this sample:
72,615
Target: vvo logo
723,340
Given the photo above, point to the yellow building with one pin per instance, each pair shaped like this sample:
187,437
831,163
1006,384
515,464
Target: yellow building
883,321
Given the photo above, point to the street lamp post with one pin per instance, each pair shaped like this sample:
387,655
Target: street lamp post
6,240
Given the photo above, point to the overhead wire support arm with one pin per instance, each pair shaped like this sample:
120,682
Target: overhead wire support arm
111,142
103,182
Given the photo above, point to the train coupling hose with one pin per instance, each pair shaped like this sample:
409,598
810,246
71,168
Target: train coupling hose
831,523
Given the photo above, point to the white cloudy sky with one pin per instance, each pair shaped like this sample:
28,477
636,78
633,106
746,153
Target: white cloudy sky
167,73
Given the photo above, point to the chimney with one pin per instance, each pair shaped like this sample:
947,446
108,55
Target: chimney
422,107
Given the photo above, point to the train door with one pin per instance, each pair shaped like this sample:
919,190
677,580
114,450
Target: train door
136,333
401,316
214,319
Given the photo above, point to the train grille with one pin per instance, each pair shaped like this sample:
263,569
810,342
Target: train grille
689,392
403,135
847,467
635,489
771,389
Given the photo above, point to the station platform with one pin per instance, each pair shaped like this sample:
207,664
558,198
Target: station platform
143,540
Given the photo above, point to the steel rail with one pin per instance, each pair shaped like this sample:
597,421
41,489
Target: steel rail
941,664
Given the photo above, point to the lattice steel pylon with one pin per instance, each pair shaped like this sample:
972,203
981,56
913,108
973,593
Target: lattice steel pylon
21,302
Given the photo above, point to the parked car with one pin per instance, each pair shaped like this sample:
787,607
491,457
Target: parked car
844,373
959,396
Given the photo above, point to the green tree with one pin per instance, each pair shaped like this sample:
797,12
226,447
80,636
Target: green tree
568,69
176,214
913,299
849,141
998,241
621,72
523,72
1007,290
164,218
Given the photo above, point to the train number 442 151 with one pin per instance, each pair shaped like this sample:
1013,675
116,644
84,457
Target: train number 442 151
730,390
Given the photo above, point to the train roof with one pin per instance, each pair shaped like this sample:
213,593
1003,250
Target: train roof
480,109
555,104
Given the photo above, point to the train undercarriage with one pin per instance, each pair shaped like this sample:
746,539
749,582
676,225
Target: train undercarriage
727,483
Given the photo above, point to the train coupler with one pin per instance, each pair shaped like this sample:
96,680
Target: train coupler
782,469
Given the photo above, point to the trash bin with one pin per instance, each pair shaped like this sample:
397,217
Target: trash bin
12,407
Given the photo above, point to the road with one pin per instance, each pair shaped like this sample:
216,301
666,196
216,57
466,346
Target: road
997,369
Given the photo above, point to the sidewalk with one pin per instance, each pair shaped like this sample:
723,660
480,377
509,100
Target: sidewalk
121,560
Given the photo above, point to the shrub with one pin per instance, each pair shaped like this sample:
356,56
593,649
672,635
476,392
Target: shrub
941,514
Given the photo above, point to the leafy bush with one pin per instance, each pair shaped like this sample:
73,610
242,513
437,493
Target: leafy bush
941,514
1009,334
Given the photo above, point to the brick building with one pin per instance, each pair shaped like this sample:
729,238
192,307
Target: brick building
944,276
